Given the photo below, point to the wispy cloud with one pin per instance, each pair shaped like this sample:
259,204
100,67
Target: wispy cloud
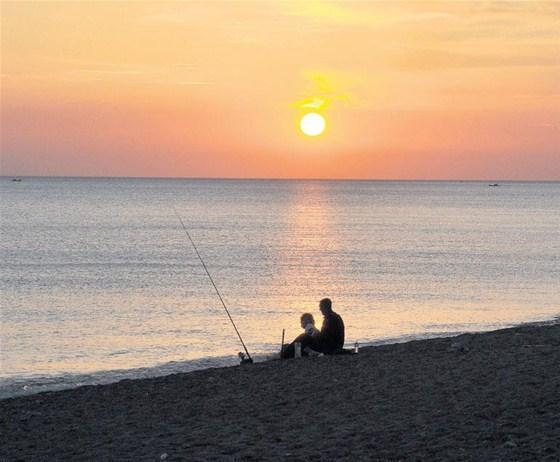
363,13
433,59
83,71
324,87
312,103
109,72
193,82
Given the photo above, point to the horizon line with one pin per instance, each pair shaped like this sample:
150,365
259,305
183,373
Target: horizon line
233,178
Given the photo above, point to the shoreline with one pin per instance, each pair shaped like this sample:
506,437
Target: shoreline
476,396
15,387
12,387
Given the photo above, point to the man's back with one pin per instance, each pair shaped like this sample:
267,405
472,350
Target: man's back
332,333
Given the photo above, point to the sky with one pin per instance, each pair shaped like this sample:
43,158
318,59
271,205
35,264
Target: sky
408,89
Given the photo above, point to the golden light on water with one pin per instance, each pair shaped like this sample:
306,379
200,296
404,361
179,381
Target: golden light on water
312,124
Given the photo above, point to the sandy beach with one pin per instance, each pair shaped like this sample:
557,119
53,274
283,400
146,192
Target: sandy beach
478,397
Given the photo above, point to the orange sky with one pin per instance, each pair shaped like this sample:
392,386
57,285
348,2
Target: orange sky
427,90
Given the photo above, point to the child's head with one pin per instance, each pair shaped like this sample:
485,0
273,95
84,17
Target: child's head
306,318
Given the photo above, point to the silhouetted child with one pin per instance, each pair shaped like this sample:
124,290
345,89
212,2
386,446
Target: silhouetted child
306,339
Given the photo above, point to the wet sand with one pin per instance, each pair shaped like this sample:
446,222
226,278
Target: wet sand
482,397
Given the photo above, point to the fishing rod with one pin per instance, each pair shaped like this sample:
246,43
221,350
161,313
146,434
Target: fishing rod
243,360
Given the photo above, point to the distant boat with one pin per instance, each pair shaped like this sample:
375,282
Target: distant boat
16,179
494,184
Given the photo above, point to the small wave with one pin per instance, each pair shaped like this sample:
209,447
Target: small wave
118,353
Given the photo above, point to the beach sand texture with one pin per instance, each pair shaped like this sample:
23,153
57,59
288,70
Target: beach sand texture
483,397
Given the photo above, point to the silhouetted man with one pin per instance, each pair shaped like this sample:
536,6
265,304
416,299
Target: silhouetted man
331,339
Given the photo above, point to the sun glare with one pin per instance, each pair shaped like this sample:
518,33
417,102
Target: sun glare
312,124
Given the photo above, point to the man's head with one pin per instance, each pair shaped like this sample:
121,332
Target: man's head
325,306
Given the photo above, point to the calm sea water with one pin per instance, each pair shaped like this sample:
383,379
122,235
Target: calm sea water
100,282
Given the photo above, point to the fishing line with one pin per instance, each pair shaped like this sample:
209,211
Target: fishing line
249,359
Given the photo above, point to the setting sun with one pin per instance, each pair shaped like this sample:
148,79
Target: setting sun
312,124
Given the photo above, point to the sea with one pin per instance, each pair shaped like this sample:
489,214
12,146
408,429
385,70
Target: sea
100,281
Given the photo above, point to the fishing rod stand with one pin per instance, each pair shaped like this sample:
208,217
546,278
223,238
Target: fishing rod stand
243,359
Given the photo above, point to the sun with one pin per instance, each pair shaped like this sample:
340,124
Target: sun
312,124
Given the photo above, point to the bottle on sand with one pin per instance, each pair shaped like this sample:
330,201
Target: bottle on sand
297,350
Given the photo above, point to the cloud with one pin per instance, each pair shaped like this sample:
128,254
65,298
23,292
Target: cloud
313,103
437,59
363,13
193,82
324,10
82,71
323,87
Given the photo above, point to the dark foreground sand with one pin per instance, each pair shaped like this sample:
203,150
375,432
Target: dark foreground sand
424,400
